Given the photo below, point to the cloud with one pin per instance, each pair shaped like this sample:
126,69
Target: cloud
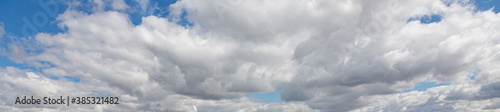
358,46
435,99
119,5
489,91
179,103
2,30
101,5
339,55
160,53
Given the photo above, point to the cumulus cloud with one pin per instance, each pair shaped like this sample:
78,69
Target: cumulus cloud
338,55
162,53
338,63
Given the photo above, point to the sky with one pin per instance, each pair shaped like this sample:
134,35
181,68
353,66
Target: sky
230,55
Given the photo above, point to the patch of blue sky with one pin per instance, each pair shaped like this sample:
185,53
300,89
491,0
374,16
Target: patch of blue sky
474,74
86,6
159,8
270,97
5,61
483,5
72,79
54,78
427,19
25,19
423,86
184,21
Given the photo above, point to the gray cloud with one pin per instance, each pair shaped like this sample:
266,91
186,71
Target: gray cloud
485,92
489,91
493,105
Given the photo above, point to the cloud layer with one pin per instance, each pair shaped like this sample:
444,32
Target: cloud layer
337,55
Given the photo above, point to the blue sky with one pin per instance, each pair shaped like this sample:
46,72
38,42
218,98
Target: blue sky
488,4
269,97
427,19
22,20
422,86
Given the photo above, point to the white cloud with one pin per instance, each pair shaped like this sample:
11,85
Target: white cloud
101,5
337,55
119,5
159,52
